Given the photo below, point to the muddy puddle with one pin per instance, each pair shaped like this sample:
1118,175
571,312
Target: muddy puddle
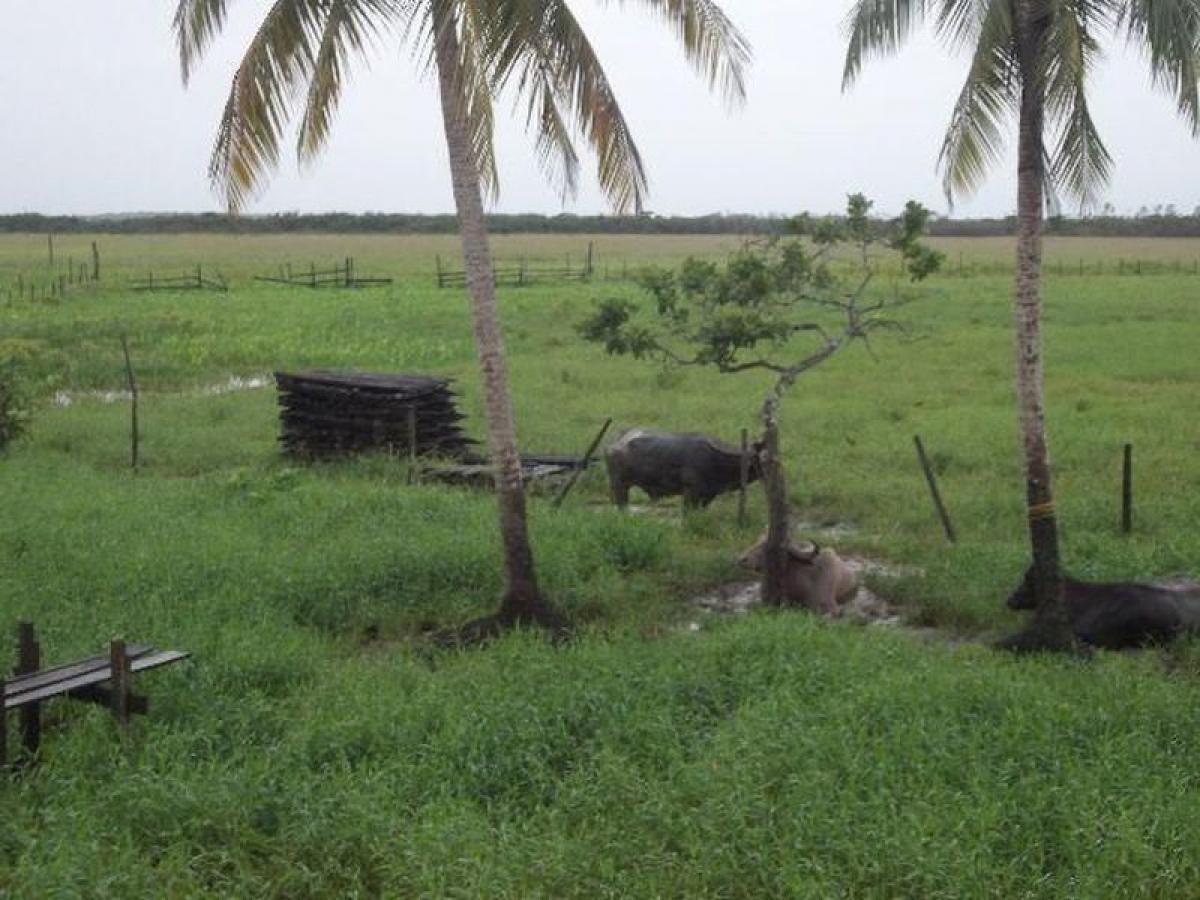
867,607
232,385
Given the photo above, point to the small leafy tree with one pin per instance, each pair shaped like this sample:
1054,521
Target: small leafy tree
781,305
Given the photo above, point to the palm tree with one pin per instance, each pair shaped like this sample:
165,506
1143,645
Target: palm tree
1032,58
533,48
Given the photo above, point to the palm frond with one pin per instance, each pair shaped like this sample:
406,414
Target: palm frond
877,28
961,22
348,27
272,72
538,48
196,23
1169,31
1079,163
975,137
712,43
475,89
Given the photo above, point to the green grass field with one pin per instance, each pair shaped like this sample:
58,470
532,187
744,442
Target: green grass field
317,746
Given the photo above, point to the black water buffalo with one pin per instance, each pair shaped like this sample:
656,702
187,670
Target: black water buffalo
1123,614
664,464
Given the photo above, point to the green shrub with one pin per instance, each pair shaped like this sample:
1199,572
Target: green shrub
14,406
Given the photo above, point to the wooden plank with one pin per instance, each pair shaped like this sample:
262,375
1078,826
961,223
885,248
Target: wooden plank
98,676
45,677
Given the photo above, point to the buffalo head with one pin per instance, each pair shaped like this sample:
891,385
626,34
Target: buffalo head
754,558
1022,597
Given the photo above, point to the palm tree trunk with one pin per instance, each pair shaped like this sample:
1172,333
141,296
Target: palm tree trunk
522,600
1050,628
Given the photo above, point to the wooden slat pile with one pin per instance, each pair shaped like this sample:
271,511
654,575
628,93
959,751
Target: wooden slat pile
325,413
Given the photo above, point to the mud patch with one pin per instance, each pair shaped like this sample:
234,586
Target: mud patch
826,530
739,598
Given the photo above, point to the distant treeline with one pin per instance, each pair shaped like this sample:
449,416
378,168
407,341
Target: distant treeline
1150,225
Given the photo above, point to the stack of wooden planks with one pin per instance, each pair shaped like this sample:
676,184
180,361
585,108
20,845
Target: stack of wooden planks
326,413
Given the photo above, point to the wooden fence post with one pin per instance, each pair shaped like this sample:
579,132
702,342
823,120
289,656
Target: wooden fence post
133,408
933,490
1127,490
3,728
438,259
587,458
412,443
121,678
29,660
590,258
744,478
95,262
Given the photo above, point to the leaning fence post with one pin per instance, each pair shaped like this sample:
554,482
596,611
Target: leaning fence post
29,660
587,459
118,661
1127,490
743,478
133,406
931,480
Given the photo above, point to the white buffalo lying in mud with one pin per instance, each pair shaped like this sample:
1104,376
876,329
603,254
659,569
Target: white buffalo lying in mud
817,578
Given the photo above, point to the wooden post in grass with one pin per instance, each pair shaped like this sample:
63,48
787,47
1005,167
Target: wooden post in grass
95,262
587,459
133,406
1127,490
412,443
438,260
118,661
743,478
3,728
591,258
29,660
931,480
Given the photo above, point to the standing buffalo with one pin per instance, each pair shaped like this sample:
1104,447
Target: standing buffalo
1124,614
817,578
664,464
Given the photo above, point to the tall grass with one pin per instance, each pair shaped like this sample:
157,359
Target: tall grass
316,745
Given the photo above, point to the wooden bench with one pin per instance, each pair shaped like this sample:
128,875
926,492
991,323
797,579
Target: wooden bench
105,679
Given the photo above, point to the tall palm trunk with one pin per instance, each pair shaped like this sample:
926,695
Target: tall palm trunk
1050,628
522,600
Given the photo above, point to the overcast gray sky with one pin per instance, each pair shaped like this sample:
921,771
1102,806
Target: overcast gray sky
95,119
